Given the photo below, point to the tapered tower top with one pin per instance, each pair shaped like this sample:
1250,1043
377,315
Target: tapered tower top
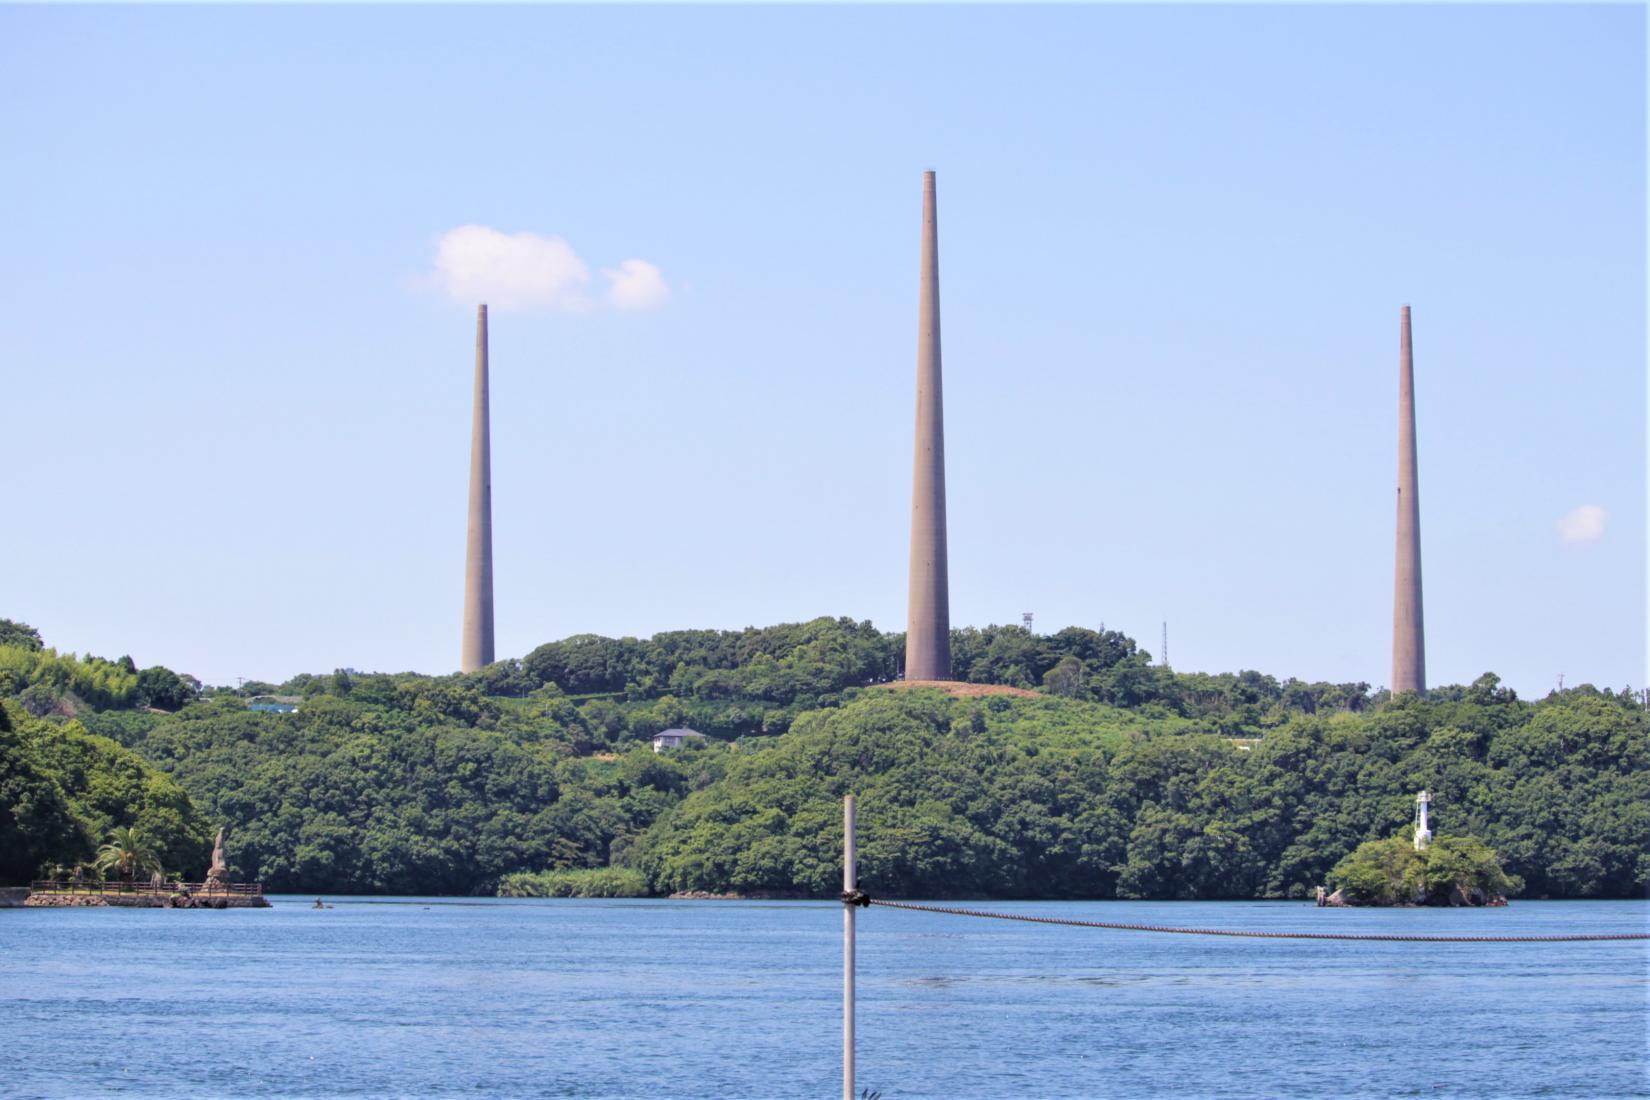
1409,653
477,649
928,609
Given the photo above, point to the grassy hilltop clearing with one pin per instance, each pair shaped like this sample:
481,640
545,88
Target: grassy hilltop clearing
1116,778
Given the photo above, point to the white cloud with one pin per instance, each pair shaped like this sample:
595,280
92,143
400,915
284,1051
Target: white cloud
475,263
635,284
526,271
1584,524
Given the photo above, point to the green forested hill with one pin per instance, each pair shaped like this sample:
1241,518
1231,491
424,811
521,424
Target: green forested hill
1122,779
62,790
1047,798
429,790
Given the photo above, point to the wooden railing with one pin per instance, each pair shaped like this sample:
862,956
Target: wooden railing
165,889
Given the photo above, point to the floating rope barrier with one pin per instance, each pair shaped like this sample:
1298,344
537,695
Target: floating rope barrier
860,898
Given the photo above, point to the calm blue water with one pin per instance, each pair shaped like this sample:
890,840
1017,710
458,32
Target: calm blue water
426,998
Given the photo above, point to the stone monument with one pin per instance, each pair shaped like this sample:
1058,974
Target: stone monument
218,876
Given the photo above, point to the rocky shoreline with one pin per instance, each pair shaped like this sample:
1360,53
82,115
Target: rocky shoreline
49,899
1461,897
760,895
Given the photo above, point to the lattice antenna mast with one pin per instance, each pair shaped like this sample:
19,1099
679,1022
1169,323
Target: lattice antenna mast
1025,620
1165,660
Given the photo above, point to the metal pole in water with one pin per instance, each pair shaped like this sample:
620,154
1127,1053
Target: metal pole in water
850,879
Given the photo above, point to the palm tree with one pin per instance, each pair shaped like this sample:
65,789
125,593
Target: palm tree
129,852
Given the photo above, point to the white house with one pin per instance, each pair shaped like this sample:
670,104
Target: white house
672,739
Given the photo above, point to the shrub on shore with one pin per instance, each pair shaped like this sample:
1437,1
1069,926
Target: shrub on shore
584,882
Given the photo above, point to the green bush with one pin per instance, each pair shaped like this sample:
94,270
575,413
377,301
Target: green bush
588,882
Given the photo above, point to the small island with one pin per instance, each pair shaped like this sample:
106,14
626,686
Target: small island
1450,870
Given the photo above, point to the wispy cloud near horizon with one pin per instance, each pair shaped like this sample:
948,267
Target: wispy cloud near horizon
528,271
1583,524
635,284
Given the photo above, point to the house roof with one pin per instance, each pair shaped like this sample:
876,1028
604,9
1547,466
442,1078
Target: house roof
678,733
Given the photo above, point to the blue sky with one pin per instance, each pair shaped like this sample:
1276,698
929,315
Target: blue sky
1174,243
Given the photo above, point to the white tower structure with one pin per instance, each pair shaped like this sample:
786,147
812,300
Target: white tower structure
1423,835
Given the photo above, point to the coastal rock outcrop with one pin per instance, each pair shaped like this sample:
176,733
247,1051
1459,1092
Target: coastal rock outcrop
1463,896
62,901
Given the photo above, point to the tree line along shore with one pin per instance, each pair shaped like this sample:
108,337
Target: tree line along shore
1114,778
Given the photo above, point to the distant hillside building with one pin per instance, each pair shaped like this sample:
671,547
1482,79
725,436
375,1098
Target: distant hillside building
672,739
275,704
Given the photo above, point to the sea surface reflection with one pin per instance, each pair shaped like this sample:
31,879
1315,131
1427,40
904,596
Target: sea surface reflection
424,997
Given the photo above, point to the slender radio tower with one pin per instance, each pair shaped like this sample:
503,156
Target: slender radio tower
1409,652
477,649
1165,659
928,622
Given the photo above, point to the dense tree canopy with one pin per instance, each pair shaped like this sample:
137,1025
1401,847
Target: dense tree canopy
1054,799
734,683
46,682
64,790
21,635
405,786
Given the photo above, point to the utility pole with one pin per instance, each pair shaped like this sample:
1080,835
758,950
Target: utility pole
850,883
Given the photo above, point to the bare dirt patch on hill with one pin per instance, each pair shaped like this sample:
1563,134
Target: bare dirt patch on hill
962,690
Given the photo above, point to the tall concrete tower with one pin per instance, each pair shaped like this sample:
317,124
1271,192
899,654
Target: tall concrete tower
928,621
478,548
1409,651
